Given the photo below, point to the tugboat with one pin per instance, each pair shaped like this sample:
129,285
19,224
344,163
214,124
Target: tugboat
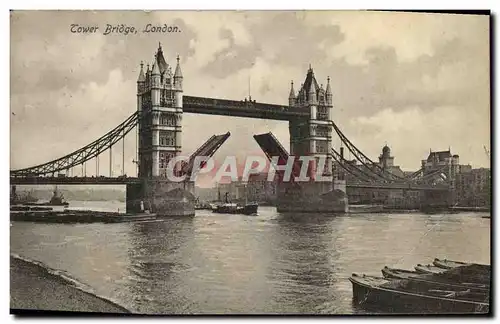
232,208
56,200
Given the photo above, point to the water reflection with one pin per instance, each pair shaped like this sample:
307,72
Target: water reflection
157,263
303,263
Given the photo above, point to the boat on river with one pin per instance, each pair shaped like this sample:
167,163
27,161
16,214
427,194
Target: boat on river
393,273
448,264
428,269
446,278
233,208
405,296
229,208
56,200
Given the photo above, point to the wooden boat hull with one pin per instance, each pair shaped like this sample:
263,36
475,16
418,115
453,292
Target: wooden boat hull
428,269
448,264
394,301
432,279
398,273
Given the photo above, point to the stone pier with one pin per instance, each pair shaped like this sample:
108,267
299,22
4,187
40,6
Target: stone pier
312,197
162,197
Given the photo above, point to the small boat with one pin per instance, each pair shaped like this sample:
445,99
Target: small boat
56,200
228,208
406,296
448,264
232,208
398,273
441,279
420,268
473,274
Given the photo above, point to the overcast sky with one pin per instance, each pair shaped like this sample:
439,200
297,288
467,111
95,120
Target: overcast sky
414,81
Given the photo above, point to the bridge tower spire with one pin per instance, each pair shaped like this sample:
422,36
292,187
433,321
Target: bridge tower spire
291,97
329,95
178,75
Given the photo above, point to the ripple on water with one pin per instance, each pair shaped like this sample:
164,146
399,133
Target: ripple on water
270,263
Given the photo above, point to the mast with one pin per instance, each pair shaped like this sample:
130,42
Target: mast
249,92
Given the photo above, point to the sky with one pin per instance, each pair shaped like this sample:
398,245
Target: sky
414,81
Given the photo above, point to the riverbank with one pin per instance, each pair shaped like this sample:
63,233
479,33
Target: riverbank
33,287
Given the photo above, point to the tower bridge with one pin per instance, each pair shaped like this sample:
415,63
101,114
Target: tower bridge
158,122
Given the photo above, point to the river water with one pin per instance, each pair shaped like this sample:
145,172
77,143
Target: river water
235,264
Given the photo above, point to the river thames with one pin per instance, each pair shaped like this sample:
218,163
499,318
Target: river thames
235,264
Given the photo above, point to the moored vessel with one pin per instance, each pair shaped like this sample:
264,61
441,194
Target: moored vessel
404,296
427,268
57,199
446,278
447,264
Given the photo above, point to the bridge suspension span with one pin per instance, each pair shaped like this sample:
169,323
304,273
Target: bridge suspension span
82,155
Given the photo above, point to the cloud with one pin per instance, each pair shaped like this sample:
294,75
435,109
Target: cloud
48,125
231,58
412,132
279,38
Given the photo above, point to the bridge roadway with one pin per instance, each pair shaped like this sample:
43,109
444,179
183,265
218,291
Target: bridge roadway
72,180
398,186
124,180
234,108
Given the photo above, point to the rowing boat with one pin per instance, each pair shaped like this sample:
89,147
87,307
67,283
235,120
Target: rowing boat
407,296
447,278
447,264
421,268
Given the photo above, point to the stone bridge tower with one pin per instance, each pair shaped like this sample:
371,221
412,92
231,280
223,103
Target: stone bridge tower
312,136
159,102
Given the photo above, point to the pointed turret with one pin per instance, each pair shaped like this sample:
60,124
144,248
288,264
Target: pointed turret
155,70
312,92
178,72
141,77
329,95
155,82
178,75
291,97
292,92
160,60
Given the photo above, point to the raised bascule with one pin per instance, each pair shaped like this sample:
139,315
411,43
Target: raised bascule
161,104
